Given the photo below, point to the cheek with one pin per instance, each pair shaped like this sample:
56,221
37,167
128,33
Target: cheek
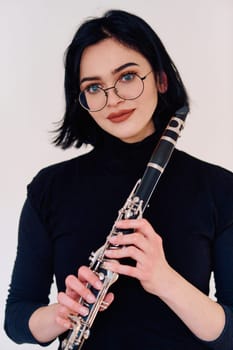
151,100
151,91
154,93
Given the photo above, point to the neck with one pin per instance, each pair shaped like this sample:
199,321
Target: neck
141,136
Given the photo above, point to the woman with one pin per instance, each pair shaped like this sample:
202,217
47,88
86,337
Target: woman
121,90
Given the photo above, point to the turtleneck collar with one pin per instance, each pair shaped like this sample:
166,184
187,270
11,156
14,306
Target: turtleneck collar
113,146
120,157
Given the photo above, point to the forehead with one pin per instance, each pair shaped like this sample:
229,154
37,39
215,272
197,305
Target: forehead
107,55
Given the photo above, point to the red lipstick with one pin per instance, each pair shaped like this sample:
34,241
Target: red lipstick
120,116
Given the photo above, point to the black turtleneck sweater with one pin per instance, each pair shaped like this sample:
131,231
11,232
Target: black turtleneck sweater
68,213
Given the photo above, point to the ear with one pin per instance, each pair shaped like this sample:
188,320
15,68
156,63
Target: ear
162,83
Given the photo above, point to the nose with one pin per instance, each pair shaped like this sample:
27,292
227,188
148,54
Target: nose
112,97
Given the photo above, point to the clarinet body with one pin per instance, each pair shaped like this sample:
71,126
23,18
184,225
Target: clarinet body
133,208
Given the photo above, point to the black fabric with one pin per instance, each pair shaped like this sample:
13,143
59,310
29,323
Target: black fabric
69,212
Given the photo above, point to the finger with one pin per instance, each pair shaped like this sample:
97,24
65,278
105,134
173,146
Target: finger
71,306
122,269
64,322
107,301
125,252
136,239
141,225
62,317
72,294
74,284
85,274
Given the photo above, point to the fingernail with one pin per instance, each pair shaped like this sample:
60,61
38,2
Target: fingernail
84,311
110,238
98,284
113,239
90,298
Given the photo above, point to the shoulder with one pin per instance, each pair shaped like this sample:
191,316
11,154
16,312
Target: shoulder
54,177
64,168
205,175
196,166
212,181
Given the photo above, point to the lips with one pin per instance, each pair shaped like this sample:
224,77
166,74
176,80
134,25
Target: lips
120,116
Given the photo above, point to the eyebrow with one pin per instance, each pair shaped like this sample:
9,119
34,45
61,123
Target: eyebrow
116,70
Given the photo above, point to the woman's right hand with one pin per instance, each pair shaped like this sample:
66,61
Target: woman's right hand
75,289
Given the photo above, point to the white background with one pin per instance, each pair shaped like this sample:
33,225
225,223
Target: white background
33,38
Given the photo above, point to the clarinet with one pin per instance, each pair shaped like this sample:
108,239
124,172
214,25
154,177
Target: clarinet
133,208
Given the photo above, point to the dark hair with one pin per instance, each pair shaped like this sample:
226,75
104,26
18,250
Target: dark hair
77,126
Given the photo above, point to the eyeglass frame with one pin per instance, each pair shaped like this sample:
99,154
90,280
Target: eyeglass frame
115,91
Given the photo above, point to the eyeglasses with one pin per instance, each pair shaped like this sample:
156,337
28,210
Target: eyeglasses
128,87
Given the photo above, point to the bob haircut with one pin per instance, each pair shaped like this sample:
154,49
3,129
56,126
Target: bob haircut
78,127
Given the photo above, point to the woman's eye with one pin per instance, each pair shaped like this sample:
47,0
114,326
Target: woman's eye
93,89
127,77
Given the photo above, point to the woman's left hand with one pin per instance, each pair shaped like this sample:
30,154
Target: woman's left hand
145,246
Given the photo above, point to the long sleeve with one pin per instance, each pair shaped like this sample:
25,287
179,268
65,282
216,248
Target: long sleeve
223,255
31,278
223,262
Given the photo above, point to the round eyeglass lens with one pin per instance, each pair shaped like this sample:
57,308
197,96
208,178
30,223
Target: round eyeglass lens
129,89
93,102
